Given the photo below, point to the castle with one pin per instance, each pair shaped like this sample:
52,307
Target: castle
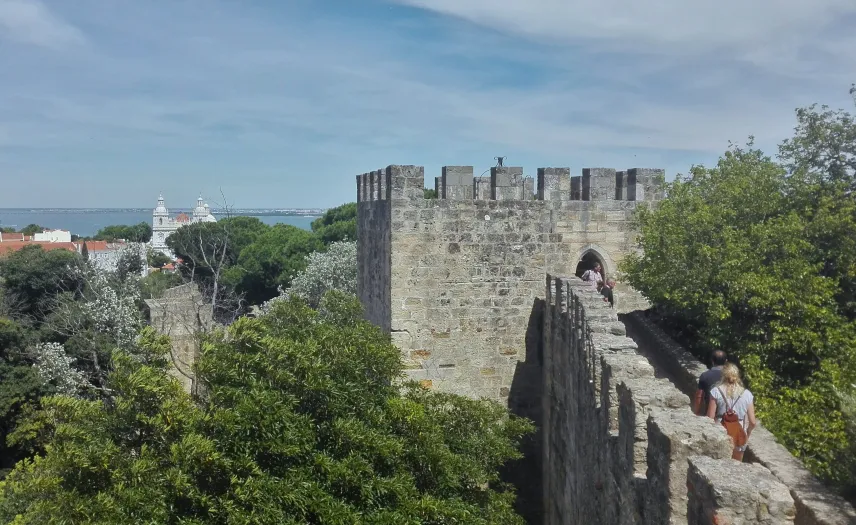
163,225
454,279
477,288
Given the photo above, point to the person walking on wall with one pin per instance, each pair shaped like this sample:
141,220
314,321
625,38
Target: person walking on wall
707,381
733,406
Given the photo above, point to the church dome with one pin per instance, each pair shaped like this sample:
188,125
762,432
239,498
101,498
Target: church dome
200,210
209,217
161,208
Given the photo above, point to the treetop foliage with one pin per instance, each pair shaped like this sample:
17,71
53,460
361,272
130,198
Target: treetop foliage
337,224
33,277
251,260
757,257
304,421
334,269
141,232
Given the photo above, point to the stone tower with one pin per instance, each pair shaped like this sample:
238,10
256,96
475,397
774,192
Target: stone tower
456,280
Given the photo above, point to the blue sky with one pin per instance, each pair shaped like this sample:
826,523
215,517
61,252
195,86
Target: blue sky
104,103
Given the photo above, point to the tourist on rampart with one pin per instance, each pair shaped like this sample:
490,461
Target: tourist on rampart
733,405
604,287
709,379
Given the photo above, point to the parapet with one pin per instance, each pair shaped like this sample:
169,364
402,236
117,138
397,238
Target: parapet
510,183
621,445
816,504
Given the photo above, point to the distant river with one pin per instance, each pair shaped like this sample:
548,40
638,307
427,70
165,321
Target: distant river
87,222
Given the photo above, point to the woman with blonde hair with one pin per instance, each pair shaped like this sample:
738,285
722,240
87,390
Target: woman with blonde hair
733,405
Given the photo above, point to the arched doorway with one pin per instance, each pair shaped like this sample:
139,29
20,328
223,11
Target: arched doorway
587,262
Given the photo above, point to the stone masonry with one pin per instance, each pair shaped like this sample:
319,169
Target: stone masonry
815,503
182,314
455,279
621,446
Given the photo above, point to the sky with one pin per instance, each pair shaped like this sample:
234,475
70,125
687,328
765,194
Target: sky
106,103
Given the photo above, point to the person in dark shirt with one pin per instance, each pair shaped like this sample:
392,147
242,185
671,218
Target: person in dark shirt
707,381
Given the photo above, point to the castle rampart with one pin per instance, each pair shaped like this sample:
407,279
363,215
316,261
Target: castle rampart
815,503
455,279
621,446
458,282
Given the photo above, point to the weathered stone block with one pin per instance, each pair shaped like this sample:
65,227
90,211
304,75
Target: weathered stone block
506,183
598,184
674,436
457,183
554,184
733,493
645,184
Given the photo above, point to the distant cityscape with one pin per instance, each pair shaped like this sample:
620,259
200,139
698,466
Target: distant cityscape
300,212
87,221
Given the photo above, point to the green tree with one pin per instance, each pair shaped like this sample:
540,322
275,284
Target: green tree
33,277
84,252
157,259
272,261
155,284
334,269
337,224
304,423
208,251
210,247
32,229
20,387
430,193
141,232
736,257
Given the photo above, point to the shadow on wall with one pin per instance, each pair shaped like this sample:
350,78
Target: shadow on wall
524,400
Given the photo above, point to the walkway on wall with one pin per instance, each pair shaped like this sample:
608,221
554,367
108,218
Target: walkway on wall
816,503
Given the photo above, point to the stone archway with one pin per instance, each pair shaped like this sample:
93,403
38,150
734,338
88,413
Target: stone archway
592,253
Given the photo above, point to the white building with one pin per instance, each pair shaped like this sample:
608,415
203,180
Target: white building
53,236
163,225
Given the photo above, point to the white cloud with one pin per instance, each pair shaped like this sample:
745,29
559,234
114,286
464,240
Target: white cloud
30,21
668,25
188,83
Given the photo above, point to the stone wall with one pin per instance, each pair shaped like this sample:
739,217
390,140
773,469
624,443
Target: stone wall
816,504
621,446
456,280
182,314
374,245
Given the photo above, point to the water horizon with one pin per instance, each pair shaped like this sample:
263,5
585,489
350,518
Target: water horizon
86,222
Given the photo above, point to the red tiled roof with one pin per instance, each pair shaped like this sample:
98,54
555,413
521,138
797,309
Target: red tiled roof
9,237
182,217
14,246
93,246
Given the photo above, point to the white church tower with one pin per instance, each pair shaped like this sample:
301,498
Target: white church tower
163,225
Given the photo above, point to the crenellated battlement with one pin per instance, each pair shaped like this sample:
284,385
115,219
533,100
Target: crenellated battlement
441,274
509,183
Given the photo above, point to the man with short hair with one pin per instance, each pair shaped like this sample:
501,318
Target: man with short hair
707,381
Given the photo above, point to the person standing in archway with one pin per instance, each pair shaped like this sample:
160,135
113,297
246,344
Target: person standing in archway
595,276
